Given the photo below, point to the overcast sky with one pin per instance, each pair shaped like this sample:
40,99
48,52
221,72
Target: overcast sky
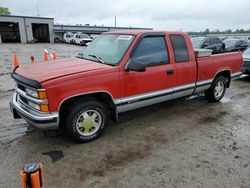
185,15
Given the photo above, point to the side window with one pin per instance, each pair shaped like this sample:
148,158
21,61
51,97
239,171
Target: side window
212,41
206,42
218,41
151,51
180,48
243,42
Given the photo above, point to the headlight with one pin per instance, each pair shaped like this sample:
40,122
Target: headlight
31,92
33,105
41,107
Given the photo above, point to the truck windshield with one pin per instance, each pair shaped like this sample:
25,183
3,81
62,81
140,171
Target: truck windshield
110,48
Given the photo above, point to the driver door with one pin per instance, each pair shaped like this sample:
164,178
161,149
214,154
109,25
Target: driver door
155,84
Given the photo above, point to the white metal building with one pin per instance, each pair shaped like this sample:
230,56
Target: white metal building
26,29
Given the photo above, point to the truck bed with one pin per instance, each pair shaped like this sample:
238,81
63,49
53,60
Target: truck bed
208,66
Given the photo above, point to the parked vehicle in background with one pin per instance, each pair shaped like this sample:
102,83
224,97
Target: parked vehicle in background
68,37
248,41
119,71
57,40
232,45
213,43
222,38
246,61
82,39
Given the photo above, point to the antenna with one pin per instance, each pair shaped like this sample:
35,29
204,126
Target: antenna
115,21
38,14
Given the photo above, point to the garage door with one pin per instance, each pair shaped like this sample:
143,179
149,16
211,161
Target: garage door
40,32
9,32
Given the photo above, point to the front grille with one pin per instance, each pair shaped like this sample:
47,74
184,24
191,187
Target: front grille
24,100
21,87
246,64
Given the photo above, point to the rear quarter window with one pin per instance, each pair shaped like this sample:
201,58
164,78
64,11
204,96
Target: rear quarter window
180,48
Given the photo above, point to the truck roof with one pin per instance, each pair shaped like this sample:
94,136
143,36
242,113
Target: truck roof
137,32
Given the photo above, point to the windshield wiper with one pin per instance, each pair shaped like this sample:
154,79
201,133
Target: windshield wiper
99,59
80,55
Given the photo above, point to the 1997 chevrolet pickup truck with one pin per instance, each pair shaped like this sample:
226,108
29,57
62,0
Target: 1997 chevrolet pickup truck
117,72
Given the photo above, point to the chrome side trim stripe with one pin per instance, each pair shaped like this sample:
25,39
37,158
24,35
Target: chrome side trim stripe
205,82
236,75
143,96
161,93
147,102
184,87
151,95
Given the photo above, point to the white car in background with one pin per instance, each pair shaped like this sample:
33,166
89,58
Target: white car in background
82,39
68,38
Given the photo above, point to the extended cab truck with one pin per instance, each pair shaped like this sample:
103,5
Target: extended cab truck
117,72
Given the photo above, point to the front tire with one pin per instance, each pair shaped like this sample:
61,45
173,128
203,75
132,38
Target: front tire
217,90
86,121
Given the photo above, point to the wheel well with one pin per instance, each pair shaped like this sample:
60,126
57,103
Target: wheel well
226,74
102,97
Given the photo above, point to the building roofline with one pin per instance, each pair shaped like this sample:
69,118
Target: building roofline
110,27
34,17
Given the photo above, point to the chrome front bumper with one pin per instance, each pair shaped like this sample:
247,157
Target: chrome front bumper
44,121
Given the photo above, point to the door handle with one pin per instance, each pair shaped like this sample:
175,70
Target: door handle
171,71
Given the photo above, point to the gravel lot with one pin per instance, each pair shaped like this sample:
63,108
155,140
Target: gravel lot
182,143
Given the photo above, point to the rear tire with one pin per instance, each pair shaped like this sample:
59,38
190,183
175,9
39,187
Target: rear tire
86,121
217,90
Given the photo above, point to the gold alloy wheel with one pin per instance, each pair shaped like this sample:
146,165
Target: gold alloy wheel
89,122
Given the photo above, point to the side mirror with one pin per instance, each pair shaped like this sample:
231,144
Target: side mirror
135,66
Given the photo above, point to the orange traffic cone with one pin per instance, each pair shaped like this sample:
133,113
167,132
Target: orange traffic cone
54,55
15,61
45,55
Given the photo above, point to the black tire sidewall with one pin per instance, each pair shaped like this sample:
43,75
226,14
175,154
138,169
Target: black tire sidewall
76,111
218,79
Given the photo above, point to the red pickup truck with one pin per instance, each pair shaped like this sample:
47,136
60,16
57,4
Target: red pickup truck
117,72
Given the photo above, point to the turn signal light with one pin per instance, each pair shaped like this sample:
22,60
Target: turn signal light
42,95
44,108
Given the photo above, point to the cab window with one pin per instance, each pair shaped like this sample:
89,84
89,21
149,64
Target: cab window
151,51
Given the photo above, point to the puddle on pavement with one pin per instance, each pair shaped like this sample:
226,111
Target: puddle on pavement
54,155
225,100
12,132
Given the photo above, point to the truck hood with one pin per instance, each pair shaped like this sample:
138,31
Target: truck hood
53,69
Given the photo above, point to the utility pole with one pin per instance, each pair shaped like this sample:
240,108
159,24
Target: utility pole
115,21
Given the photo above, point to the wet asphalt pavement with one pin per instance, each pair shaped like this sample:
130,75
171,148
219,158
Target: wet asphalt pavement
181,143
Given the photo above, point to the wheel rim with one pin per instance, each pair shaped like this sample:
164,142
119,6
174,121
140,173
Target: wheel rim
88,122
219,89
